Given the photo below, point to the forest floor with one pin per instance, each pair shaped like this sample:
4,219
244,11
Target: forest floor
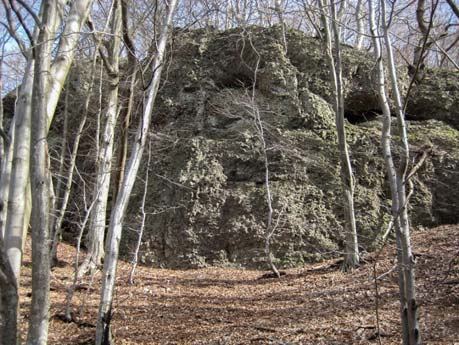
316,304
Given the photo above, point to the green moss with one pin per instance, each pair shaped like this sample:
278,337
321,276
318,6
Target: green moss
209,195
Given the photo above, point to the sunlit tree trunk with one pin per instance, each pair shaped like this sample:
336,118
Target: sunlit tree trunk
396,177
16,197
96,234
280,14
116,221
135,258
407,266
16,192
351,251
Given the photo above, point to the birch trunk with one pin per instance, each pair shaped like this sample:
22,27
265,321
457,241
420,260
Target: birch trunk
40,181
116,221
96,234
351,251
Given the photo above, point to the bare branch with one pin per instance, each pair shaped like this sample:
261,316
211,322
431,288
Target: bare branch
29,10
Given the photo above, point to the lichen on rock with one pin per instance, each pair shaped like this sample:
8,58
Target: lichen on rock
207,198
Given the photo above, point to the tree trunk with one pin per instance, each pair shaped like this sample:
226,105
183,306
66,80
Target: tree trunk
16,197
418,58
408,308
360,26
96,234
19,187
135,258
8,300
116,221
127,111
40,178
351,251
408,262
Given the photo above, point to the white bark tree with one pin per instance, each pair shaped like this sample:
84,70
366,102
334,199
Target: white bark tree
397,177
351,250
15,181
135,258
360,26
40,179
96,234
116,221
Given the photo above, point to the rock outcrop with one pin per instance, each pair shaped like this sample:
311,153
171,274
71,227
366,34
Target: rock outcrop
207,194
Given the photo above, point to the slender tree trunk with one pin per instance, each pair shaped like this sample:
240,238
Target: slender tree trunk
418,58
116,221
408,308
40,178
5,155
60,186
351,251
57,224
360,26
408,262
255,112
127,111
270,228
135,259
280,13
96,234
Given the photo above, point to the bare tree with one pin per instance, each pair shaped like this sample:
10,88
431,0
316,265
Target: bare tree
126,112
397,178
40,180
16,195
351,252
45,86
96,234
116,221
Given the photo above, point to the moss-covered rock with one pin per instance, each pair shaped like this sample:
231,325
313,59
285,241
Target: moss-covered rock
207,197
206,201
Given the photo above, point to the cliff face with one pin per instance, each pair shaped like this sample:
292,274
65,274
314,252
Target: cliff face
207,194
